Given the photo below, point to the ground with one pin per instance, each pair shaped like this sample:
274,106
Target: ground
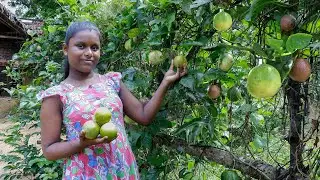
6,104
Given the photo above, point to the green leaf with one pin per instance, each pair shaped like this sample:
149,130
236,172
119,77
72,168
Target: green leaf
298,41
256,7
190,165
275,44
258,143
170,19
258,50
188,82
198,3
132,33
257,119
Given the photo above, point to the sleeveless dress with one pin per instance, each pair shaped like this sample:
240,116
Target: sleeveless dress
108,161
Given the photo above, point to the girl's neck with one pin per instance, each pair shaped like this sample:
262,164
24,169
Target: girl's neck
80,79
80,76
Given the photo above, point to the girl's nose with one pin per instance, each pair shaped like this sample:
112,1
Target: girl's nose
88,52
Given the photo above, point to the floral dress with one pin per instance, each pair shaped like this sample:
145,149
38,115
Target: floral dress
113,160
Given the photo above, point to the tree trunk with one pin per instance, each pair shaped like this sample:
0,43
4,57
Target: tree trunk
295,133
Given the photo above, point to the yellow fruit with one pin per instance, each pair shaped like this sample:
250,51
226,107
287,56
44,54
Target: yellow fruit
102,115
222,21
91,129
263,81
179,61
109,130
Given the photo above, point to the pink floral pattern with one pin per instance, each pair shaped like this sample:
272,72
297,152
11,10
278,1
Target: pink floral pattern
113,160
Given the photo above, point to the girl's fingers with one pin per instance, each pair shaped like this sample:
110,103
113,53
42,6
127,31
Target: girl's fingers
171,65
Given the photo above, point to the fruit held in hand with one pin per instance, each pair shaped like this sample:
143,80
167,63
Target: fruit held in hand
287,23
226,62
102,115
222,21
263,81
109,130
155,57
179,61
214,91
91,129
301,70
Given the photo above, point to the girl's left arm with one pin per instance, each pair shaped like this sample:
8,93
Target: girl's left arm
145,113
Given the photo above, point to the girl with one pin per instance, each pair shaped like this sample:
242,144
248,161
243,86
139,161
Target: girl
74,101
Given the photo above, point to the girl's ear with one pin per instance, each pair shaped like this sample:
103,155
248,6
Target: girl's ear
65,49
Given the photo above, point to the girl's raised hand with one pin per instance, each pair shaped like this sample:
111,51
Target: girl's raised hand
171,76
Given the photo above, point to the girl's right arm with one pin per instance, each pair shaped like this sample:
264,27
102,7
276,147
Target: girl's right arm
51,120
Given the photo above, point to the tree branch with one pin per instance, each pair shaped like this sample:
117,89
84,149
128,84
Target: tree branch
254,168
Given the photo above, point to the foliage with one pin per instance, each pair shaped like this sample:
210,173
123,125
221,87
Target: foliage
252,128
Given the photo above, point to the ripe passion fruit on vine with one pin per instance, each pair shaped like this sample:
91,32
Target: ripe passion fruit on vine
301,70
263,81
222,21
155,57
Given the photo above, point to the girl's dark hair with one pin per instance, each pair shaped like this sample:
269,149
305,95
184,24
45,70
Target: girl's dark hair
74,28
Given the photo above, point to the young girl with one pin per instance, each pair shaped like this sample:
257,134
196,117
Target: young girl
73,102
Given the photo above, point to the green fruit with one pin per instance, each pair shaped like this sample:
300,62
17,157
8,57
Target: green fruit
263,81
226,62
179,61
91,129
230,175
234,94
155,57
127,45
102,115
222,21
109,130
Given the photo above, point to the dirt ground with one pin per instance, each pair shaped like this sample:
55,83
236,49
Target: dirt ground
6,104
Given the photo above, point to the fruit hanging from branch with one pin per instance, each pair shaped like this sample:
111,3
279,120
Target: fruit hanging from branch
301,70
226,62
287,23
264,81
234,94
222,21
155,57
214,91
128,45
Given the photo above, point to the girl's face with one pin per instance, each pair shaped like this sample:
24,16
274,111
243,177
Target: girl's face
83,51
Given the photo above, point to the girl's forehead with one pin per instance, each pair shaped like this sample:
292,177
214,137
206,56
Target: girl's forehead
86,35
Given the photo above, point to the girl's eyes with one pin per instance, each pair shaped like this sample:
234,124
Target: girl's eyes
94,48
80,46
